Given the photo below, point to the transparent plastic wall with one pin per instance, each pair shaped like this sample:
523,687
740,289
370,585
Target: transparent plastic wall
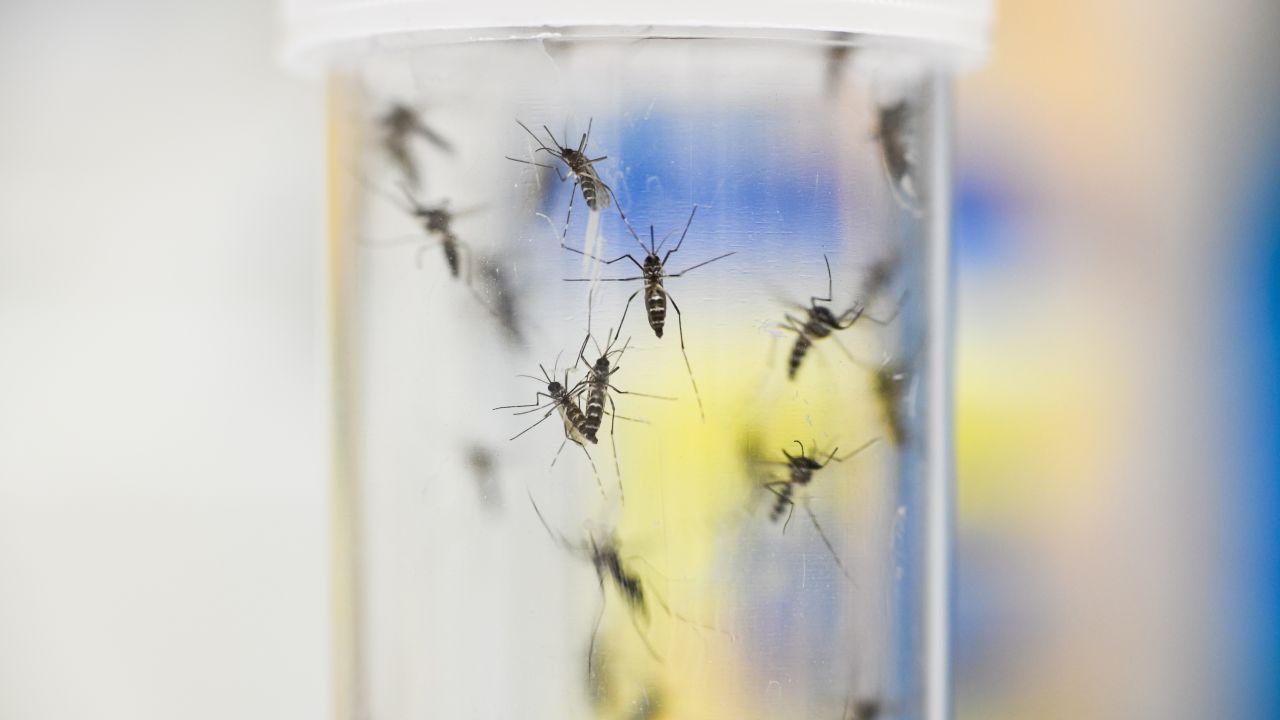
647,422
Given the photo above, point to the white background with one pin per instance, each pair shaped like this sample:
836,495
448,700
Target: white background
163,500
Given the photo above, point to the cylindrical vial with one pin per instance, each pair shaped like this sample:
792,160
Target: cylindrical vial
640,323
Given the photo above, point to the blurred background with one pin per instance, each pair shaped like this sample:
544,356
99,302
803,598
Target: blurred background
163,498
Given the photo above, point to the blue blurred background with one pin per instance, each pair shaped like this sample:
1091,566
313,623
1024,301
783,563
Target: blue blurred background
163,501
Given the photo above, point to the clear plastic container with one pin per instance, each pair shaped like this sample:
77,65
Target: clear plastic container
747,515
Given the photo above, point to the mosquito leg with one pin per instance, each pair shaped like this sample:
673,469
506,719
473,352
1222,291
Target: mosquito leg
529,412
888,319
594,471
544,417
842,347
595,630
825,541
680,323
560,449
625,309
613,441
573,193
621,213
535,404
645,639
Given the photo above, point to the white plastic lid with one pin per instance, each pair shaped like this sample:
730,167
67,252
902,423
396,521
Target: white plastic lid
958,27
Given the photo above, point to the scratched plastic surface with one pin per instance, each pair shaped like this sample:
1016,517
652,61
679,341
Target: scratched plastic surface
456,600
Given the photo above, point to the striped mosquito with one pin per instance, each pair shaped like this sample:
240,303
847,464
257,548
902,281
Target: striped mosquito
653,273
898,154
560,398
800,470
823,323
595,192
600,387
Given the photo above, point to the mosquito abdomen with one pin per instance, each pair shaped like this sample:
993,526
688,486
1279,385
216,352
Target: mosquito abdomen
452,255
784,499
655,302
798,351
575,423
595,411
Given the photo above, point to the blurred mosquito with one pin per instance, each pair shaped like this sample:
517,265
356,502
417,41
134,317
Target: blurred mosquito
563,399
499,295
437,226
399,125
822,323
595,193
653,274
893,382
898,154
801,469
613,570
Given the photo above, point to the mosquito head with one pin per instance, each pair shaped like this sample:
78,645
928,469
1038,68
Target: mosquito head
399,119
435,220
574,159
601,368
823,315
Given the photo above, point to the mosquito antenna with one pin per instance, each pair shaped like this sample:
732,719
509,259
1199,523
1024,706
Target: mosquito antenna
814,300
665,238
558,537
857,450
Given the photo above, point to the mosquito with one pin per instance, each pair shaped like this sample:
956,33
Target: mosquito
600,385
801,469
399,125
822,323
897,153
499,296
561,398
892,382
437,224
653,274
595,193
612,569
